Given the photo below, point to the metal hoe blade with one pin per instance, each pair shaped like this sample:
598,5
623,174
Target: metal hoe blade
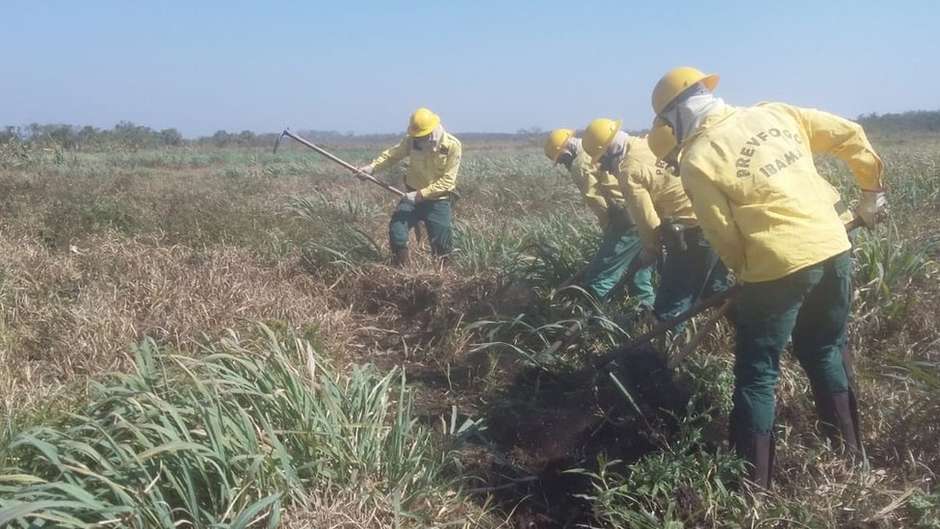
277,142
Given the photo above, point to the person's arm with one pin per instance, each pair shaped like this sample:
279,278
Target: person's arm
715,217
593,197
392,155
639,203
608,187
448,181
845,140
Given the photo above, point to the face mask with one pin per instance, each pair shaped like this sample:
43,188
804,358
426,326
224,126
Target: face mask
617,149
687,113
570,152
430,141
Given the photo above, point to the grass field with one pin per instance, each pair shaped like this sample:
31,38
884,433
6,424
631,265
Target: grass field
212,337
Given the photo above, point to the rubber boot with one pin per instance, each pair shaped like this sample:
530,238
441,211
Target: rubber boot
838,418
401,257
758,450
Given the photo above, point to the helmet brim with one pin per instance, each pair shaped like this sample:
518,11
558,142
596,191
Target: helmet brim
417,133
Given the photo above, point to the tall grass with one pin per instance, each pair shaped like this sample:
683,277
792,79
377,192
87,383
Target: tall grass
223,442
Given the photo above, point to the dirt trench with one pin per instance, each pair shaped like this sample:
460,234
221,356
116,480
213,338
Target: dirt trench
543,425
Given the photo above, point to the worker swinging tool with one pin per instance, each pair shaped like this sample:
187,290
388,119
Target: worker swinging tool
621,244
431,182
763,206
434,160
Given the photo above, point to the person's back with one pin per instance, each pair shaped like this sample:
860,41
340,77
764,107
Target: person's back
776,216
750,175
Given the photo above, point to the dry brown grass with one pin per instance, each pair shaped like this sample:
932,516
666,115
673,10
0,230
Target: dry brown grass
75,313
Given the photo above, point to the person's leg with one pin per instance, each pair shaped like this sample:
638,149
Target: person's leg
403,219
437,216
640,286
819,341
673,295
618,248
683,276
767,315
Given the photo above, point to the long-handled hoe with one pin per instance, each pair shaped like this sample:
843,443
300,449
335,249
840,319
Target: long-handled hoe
359,174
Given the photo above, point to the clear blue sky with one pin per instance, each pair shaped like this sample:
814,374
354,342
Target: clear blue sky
363,66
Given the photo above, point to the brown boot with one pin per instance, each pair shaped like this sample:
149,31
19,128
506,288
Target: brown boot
401,258
758,450
838,418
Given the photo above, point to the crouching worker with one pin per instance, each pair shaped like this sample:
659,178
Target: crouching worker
619,252
434,159
656,201
764,207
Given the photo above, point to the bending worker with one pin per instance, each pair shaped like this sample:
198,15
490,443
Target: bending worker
761,202
663,214
620,246
434,159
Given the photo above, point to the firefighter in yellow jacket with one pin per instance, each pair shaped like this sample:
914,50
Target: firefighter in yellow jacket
657,203
620,246
434,160
750,174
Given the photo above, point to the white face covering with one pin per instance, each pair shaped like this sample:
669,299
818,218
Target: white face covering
431,141
570,152
687,115
610,161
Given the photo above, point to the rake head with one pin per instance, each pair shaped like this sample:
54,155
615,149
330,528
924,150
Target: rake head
277,142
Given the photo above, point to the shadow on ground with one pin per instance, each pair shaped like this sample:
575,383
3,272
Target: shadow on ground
545,423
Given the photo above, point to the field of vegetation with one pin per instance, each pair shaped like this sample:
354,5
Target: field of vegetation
206,336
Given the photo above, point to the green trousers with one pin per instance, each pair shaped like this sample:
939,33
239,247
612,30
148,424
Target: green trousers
687,275
436,215
618,249
810,305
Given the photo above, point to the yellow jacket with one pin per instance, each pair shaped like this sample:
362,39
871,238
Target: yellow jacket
651,191
432,173
599,188
757,194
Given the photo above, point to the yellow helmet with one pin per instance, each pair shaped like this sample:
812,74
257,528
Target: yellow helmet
555,143
422,122
675,82
598,135
661,139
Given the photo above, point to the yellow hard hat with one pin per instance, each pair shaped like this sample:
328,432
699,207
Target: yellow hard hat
661,139
555,143
675,82
422,122
598,135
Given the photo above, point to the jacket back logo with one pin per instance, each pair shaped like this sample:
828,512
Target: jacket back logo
772,137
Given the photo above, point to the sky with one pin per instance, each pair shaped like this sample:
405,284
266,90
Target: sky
484,66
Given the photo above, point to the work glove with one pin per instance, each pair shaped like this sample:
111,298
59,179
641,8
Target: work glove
873,203
619,217
412,197
367,169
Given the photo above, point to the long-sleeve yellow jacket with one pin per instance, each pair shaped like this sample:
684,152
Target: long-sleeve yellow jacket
598,187
756,191
652,192
433,173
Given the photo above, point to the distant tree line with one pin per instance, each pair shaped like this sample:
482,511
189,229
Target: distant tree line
132,136
913,121
71,137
